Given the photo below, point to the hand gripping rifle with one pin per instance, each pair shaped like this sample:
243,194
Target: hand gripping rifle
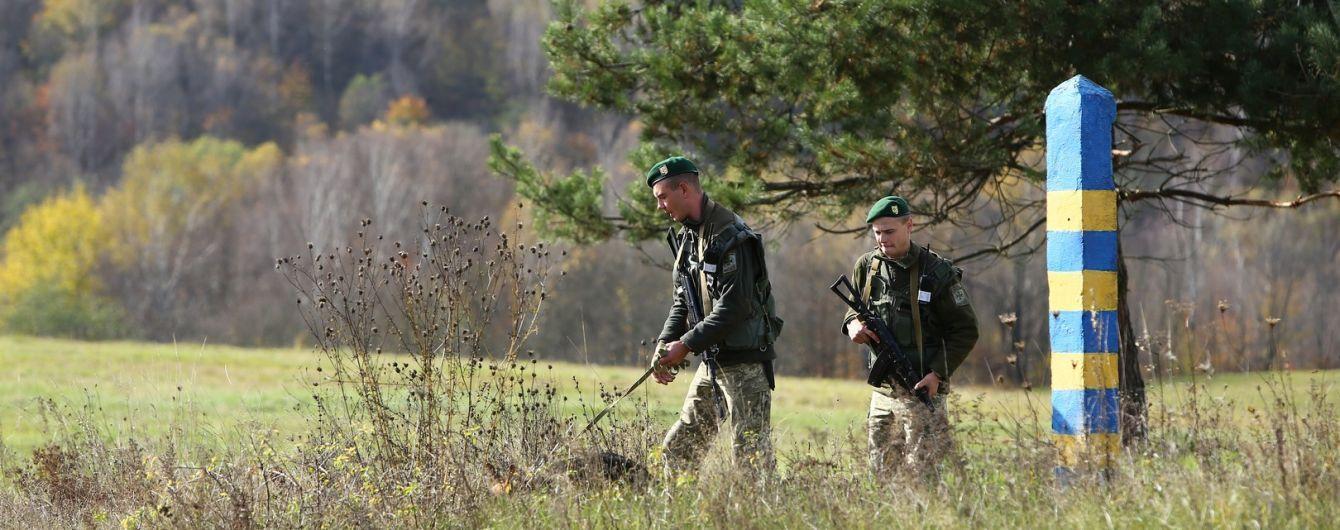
891,364
685,281
697,312
655,360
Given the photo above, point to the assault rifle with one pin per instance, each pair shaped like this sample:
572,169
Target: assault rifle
697,311
891,364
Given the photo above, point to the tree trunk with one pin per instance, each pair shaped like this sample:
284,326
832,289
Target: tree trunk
1134,422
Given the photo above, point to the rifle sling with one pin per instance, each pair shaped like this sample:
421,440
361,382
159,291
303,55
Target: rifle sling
705,296
914,290
679,252
869,279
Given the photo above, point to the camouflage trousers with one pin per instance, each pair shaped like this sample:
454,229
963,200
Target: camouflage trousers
905,436
749,407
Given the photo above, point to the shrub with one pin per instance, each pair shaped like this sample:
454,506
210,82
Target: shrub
48,284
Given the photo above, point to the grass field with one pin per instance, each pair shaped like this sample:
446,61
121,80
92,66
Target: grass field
141,387
1244,450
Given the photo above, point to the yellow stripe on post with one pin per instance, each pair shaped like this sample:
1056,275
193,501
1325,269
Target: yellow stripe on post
1096,449
1079,371
1082,210
1083,290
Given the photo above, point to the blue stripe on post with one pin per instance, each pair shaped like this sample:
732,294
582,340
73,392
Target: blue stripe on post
1084,332
1079,136
1088,250
1071,407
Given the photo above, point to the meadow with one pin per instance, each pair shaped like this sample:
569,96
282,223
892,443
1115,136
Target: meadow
1243,450
143,387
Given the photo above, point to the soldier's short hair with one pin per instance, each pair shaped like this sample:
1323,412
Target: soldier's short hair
689,179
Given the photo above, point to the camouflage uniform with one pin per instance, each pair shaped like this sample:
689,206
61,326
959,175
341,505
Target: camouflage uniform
903,432
736,336
748,396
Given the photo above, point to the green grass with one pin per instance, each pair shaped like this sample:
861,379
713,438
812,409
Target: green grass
1230,451
142,387
139,387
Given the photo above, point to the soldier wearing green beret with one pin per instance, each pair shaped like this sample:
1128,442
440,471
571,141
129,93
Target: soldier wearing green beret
920,295
723,311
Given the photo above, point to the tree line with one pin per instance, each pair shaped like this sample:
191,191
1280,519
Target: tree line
156,157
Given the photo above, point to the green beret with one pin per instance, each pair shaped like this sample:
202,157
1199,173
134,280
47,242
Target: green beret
891,206
675,165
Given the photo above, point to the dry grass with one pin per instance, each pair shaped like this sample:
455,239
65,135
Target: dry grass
463,427
1199,468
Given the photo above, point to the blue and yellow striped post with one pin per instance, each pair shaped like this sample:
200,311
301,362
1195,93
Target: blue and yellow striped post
1082,272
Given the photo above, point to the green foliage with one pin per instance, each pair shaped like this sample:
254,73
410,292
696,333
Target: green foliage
571,207
821,107
18,200
47,310
638,208
363,101
573,203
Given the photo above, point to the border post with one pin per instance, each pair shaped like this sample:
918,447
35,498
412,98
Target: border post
1082,274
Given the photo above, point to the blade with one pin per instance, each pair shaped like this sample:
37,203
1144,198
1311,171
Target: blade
616,401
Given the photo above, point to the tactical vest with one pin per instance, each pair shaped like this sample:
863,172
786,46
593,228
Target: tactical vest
894,303
761,328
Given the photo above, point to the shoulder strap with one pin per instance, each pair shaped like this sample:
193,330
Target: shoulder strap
679,253
914,290
705,296
869,279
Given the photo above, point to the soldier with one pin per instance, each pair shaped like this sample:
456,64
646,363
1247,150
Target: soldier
723,310
893,279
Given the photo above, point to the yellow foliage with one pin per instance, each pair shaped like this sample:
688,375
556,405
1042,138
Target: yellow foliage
176,188
74,19
408,110
55,244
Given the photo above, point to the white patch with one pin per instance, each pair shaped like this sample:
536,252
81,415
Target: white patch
923,296
709,268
